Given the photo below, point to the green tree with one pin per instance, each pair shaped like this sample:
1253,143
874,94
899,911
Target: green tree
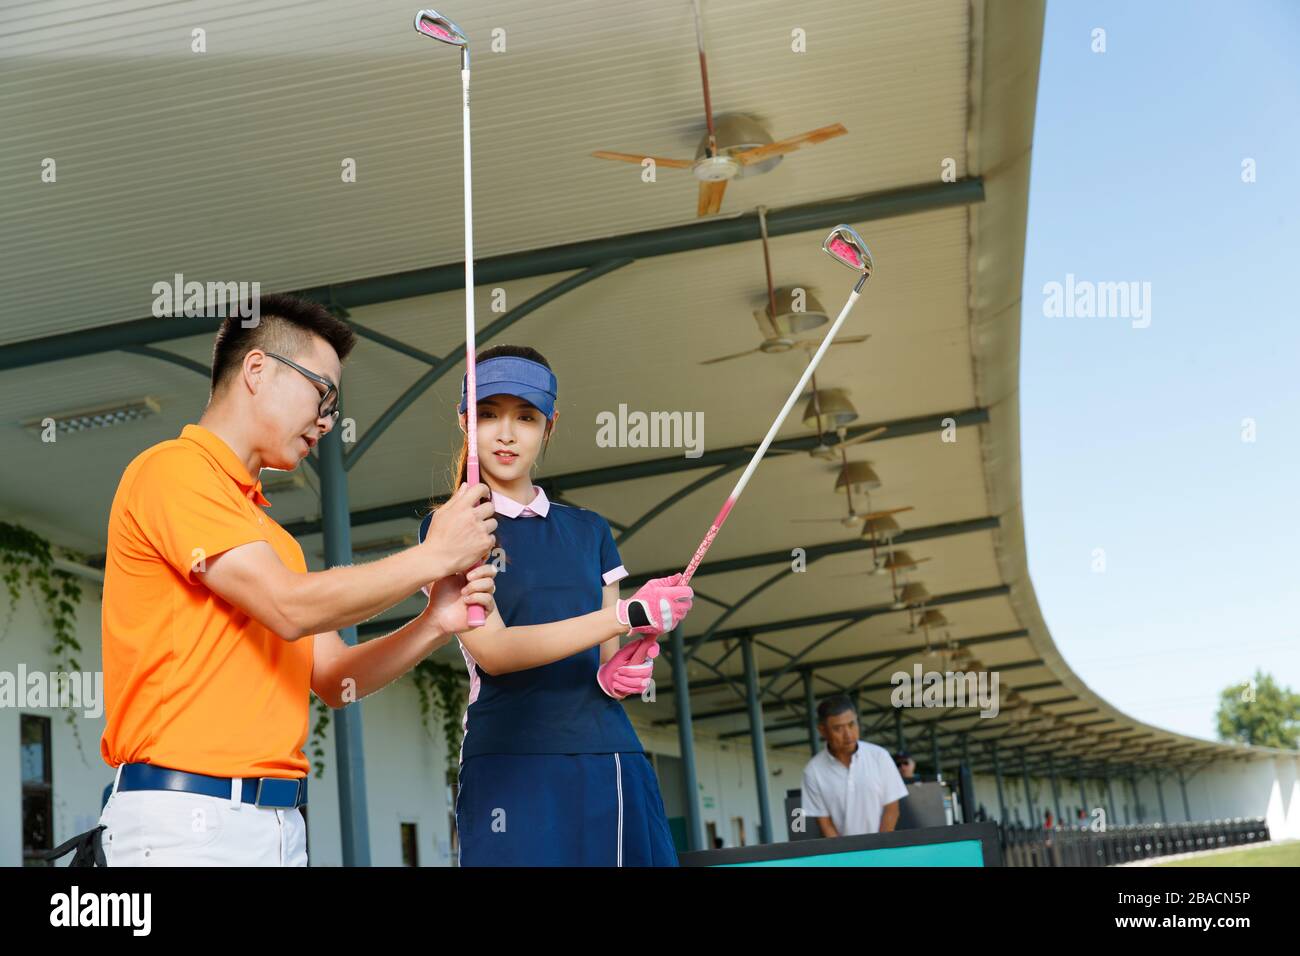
1260,713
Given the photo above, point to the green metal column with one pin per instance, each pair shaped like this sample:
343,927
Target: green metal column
966,777
1182,785
758,739
997,776
1029,797
353,820
898,730
934,752
1160,795
686,741
1110,796
1056,793
1083,789
810,703
1137,799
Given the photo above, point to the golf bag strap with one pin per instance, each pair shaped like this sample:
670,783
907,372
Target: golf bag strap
89,848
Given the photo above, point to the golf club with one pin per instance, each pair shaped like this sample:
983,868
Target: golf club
433,24
846,247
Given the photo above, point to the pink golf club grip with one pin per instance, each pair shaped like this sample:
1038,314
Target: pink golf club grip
477,615
703,549
639,656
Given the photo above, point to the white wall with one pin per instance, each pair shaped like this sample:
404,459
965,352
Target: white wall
724,770
79,774
1230,788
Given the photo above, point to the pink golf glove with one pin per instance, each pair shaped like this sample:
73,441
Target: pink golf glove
619,679
657,607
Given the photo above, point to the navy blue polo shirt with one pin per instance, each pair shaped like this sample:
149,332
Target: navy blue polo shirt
555,560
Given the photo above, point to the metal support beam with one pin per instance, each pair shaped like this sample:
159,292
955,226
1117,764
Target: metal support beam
570,257
899,739
1182,785
1110,796
1029,796
1160,795
557,485
348,744
686,741
826,663
810,703
934,753
455,357
997,776
1056,791
759,743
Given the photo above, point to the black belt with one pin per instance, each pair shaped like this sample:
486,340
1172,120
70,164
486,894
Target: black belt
283,793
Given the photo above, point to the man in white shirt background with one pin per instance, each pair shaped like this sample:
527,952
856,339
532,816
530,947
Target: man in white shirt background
852,786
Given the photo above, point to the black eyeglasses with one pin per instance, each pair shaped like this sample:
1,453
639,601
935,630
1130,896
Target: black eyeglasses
329,402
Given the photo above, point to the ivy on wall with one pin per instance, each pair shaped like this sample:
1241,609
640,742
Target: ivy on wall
442,693
27,560
442,690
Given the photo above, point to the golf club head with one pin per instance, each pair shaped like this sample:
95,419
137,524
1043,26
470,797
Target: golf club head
433,24
846,247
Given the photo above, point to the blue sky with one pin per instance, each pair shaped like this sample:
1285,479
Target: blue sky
1132,437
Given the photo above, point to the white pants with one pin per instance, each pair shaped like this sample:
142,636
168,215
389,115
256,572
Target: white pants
169,828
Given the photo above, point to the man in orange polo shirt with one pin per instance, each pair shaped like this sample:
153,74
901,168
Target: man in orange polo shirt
214,632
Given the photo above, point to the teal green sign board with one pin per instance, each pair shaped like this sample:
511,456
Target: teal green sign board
962,844
959,853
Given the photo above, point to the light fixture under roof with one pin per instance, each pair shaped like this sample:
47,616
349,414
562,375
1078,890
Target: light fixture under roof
789,320
859,474
912,595
836,409
883,528
933,618
102,416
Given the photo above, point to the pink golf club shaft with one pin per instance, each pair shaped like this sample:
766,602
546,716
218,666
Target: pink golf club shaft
736,492
720,520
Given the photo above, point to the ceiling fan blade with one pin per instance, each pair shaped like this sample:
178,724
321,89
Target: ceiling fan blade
776,451
851,340
816,520
783,146
727,358
639,157
875,432
884,514
711,197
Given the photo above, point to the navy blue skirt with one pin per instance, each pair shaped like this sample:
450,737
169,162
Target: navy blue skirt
562,810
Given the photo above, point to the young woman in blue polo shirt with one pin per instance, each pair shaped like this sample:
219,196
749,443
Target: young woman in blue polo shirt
552,773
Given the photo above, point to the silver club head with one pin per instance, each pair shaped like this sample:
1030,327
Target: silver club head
846,247
433,24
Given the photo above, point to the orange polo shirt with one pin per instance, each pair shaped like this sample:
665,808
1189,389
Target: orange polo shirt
190,681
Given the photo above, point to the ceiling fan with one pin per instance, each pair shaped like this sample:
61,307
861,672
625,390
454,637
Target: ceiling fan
786,314
895,562
853,474
733,146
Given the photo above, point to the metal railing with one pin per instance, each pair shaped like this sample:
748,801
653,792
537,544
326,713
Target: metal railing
1122,844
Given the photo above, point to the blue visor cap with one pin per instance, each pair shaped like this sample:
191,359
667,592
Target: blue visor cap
521,377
